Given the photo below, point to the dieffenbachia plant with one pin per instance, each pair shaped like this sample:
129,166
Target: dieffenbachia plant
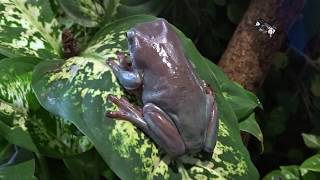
56,107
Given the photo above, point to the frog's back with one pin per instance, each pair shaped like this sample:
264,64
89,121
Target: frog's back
169,80
171,83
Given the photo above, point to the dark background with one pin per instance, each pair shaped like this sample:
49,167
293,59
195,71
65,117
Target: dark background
290,93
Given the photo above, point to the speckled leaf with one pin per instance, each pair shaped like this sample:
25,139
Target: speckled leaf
28,27
110,7
24,122
88,13
24,170
76,89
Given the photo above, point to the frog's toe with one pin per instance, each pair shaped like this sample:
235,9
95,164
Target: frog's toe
123,61
116,114
110,62
120,102
112,98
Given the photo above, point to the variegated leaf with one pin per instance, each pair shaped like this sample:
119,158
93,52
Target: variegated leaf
24,122
76,89
28,27
88,13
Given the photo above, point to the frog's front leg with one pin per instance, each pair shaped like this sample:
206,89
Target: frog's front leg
153,121
211,134
128,77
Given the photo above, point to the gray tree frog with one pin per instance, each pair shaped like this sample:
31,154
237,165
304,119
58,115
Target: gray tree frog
179,110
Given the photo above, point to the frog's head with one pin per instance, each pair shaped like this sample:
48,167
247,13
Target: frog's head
144,39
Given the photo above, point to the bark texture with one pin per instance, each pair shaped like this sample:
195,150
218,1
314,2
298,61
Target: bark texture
249,52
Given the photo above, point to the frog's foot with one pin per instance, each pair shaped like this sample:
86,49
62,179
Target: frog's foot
129,78
123,60
127,111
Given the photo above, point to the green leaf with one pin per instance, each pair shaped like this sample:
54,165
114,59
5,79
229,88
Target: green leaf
80,86
286,172
251,126
291,172
2,56
311,176
311,164
87,13
109,174
274,175
28,27
133,2
312,141
242,101
152,7
24,122
21,171
111,7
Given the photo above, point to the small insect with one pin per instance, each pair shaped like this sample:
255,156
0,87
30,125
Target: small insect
265,27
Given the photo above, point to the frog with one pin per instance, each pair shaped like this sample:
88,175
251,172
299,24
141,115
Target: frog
179,110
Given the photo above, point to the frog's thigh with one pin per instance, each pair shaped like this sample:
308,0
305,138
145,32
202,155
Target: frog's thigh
211,135
162,130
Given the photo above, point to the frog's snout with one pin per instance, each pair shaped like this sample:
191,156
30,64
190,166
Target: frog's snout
130,34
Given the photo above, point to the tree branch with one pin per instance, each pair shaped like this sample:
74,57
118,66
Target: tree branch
249,53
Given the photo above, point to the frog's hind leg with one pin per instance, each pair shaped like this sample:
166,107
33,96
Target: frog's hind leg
211,134
129,78
163,131
127,111
153,121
